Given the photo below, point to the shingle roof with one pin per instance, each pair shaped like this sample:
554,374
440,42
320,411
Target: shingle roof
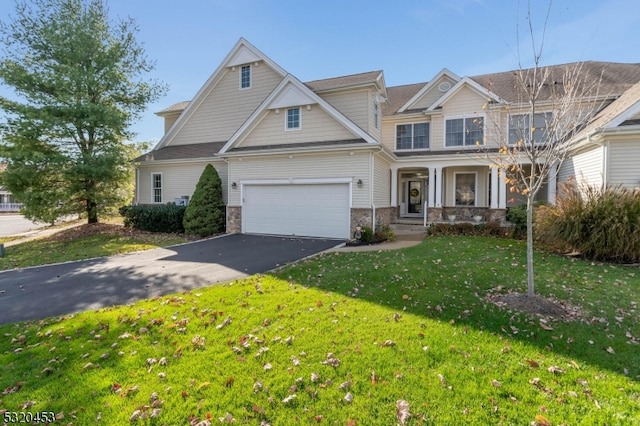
180,106
397,96
298,145
182,152
616,79
370,77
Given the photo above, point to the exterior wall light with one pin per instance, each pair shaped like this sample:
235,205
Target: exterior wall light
234,185
359,183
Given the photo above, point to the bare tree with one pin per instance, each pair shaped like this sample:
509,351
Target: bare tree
534,132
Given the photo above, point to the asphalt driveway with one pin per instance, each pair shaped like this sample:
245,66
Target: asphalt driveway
41,292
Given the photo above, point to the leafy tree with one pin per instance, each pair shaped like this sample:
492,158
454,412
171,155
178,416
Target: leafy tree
552,106
205,215
78,78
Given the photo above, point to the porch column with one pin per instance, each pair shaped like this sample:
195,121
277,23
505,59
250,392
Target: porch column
438,183
502,199
494,188
432,187
394,186
552,184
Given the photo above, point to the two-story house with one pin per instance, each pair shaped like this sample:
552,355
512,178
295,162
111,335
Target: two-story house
322,157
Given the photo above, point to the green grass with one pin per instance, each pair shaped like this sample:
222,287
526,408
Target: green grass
410,325
48,250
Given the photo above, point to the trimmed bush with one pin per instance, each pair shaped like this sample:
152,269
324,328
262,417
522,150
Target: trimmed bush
154,218
488,229
205,214
600,224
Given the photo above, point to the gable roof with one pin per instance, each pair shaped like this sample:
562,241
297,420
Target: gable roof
288,93
355,80
617,78
443,73
243,50
182,152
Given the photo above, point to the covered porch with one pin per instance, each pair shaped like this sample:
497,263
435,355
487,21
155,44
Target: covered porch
431,192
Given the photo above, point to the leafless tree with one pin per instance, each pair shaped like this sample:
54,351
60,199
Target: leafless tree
534,132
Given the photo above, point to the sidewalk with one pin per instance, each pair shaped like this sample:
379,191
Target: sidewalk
403,240
39,233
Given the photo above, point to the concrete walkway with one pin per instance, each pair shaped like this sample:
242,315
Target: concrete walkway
403,240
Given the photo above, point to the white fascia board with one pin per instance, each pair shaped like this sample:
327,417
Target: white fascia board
211,83
428,86
293,150
179,161
625,115
301,88
471,83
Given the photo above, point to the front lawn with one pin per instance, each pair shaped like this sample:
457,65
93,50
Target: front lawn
83,242
347,339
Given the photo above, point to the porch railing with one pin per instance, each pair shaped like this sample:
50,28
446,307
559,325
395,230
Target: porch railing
10,207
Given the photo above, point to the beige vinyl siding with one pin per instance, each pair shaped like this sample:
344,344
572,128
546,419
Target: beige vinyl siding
586,167
465,103
177,180
382,182
169,119
374,131
309,166
354,105
317,126
431,96
624,161
227,107
482,184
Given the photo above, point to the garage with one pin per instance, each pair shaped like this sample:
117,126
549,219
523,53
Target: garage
303,209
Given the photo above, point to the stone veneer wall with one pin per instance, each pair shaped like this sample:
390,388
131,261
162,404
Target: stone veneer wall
362,217
234,220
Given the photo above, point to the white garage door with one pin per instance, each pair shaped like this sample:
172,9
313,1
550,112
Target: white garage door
314,210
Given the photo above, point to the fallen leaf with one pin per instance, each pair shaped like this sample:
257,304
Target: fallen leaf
402,411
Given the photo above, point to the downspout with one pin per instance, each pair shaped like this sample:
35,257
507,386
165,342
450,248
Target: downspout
371,188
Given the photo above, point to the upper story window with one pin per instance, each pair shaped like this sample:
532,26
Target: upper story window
293,119
412,136
156,187
466,131
245,77
520,126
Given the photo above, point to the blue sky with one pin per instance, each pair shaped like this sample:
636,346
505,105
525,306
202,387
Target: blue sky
410,40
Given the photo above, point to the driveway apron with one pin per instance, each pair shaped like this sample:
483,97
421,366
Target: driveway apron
40,292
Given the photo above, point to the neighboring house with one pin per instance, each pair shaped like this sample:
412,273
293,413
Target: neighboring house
7,202
322,157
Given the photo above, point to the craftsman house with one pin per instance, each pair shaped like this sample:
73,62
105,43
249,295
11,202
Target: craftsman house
322,157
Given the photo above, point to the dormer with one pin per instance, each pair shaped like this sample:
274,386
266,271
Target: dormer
171,114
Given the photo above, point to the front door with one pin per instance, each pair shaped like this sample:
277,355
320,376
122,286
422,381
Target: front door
414,197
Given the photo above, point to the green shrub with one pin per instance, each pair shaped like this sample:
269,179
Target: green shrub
366,234
488,229
517,215
154,218
601,224
205,214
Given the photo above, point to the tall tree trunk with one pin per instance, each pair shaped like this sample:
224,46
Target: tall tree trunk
92,211
530,282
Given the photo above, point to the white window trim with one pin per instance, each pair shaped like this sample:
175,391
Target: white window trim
286,120
153,188
522,114
395,137
457,117
475,190
250,77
